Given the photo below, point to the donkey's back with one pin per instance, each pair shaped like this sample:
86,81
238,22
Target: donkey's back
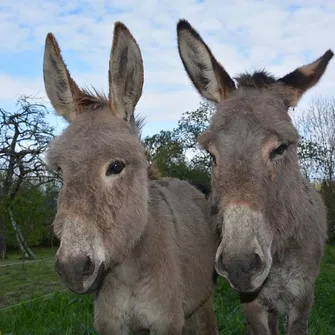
194,237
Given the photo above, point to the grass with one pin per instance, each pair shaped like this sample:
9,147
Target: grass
21,280
40,253
71,314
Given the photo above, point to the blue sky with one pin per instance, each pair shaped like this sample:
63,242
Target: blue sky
243,35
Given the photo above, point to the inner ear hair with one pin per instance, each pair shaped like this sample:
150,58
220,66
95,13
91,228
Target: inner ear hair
126,74
207,75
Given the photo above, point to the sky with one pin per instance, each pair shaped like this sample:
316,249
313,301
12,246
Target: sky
244,35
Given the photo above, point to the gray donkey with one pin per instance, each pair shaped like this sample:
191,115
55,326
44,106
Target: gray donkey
272,220
145,248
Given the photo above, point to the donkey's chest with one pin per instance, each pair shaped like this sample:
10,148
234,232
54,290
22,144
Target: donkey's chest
133,308
133,303
284,286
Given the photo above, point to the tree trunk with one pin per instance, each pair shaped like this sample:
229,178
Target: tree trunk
3,249
28,254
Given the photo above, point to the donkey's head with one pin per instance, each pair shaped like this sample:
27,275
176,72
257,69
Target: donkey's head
253,144
102,206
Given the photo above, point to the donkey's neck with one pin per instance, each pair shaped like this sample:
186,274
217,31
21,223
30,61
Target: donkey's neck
292,205
152,250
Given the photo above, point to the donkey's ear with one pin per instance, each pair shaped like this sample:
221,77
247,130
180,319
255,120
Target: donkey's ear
207,74
305,77
125,73
59,85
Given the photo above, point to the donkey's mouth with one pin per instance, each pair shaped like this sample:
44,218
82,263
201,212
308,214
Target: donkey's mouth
98,280
96,284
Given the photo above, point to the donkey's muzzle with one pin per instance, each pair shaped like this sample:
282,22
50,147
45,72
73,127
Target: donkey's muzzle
241,271
80,274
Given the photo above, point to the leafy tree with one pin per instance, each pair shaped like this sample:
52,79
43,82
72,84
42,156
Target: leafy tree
328,192
317,151
167,152
190,126
34,208
311,156
175,153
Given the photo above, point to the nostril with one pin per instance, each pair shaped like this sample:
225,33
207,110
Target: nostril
88,267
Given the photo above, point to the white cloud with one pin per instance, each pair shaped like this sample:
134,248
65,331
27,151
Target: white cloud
13,87
243,35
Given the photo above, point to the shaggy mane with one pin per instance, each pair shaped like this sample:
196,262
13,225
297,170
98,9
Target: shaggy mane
91,98
258,79
96,101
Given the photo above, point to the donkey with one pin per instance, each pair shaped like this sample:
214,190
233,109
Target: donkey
271,219
145,248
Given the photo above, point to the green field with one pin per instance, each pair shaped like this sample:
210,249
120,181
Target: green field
34,302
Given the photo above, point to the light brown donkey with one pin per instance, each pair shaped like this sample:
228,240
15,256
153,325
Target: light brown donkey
146,248
272,221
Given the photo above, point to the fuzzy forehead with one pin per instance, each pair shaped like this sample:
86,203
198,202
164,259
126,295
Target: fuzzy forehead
260,110
95,136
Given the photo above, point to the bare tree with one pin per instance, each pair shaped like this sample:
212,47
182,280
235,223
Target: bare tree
317,148
24,137
317,152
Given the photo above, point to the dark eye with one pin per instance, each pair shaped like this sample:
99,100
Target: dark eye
278,151
213,158
115,168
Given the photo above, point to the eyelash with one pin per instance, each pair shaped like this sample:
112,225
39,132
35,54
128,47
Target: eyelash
213,158
279,151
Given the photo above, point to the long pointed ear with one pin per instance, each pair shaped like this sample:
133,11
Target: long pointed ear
125,73
207,74
59,85
305,77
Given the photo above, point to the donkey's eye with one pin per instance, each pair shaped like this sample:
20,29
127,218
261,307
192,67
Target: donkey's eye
115,168
213,159
279,150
